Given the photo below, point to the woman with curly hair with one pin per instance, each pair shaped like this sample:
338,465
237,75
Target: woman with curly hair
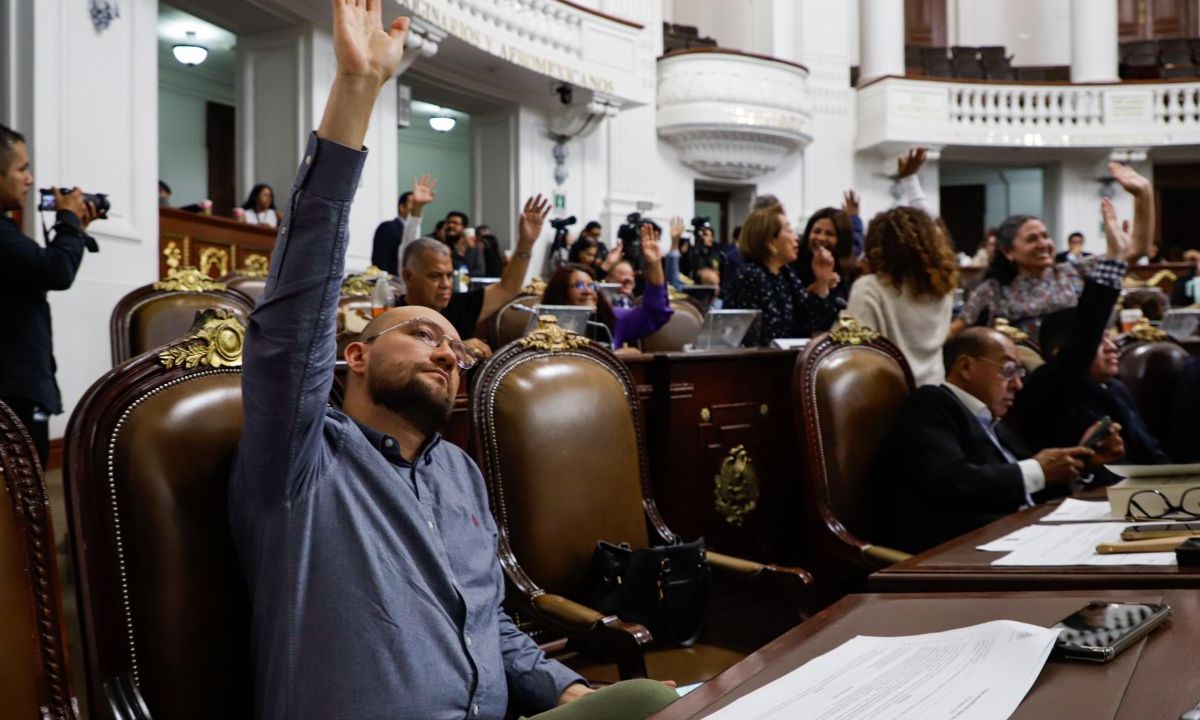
909,295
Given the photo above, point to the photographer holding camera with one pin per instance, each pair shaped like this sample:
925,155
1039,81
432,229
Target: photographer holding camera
27,272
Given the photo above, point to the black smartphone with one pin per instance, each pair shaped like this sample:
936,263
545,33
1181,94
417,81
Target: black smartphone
1100,630
1095,437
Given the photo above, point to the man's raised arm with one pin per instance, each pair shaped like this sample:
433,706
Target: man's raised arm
290,343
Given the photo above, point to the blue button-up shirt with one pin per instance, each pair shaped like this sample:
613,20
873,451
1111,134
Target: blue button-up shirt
374,582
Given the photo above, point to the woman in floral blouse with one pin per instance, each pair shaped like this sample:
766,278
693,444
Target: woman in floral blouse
767,282
1023,282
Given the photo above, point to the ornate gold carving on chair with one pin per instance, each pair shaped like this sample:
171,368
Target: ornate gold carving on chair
215,340
174,257
550,337
536,286
735,488
1154,280
188,279
211,257
1004,327
1143,331
255,265
363,283
848,331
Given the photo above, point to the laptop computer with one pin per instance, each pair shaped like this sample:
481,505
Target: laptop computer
724,329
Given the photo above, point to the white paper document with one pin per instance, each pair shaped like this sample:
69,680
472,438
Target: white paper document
1072,510
1062,545
1156,471
980,672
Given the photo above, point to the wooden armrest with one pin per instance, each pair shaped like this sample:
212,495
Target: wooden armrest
606,636
884,555
749,568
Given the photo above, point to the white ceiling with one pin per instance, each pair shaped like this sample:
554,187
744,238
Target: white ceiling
173,26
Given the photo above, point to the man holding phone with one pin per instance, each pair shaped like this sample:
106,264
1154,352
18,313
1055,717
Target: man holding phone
28,271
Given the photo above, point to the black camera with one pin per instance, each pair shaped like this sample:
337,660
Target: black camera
562,224
99,201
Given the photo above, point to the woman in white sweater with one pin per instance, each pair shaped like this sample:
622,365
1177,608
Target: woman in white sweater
909,295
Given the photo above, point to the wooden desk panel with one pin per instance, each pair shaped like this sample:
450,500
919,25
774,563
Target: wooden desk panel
1158,678
705,405
957,566
216,245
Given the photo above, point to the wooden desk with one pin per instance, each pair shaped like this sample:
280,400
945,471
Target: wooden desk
216,245
958,566
1155,680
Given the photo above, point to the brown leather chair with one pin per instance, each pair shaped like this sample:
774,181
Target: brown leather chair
251,285
163,607
35,674
1028,350
156,314
682,329
507,324
849,386
1151,370
559,433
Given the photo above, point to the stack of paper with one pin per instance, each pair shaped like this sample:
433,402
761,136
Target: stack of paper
1072,510
981,672
1061,545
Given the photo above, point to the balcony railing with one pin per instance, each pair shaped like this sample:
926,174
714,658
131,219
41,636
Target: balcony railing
944,112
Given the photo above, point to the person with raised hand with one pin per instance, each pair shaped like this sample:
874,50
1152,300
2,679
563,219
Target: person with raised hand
366,541
1024,283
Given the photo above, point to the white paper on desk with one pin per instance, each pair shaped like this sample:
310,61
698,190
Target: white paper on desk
1063,545
1072,510
1155,471
1016,539
980,672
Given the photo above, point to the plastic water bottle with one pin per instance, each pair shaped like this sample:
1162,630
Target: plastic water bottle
382,297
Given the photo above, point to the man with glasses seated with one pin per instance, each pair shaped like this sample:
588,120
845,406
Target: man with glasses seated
427,268
949,467
367,543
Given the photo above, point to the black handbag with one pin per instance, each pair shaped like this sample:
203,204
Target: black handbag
664,588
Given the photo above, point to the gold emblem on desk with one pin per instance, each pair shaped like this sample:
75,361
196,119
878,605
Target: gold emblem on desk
255,265
848,331
188,279
550,337
216,340
536,286
736,487
363,283
1143,331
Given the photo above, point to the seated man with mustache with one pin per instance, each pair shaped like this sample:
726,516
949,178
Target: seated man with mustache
367,542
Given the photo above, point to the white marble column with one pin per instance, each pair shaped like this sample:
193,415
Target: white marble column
1094,41
881,33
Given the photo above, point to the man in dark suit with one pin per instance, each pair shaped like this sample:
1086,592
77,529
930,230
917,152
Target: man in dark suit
28,271
1074,251
949,467
386,247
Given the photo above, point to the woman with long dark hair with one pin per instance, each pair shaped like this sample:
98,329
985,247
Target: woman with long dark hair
575,284
831,229
260,207
1024,283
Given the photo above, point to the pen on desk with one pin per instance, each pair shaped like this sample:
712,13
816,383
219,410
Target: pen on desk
1156,545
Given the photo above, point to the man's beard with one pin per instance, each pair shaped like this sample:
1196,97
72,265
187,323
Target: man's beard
415,401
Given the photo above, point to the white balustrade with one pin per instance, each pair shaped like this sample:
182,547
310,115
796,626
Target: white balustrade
896,111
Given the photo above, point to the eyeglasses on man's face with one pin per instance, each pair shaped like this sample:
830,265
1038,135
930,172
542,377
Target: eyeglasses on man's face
428,333
1009,369
1154,504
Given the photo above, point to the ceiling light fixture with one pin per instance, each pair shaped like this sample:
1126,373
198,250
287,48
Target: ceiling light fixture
442,122
190,53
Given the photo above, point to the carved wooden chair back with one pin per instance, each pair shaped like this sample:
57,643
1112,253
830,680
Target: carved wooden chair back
849,386
1151,369
682,329
163,607
35,675
156,314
